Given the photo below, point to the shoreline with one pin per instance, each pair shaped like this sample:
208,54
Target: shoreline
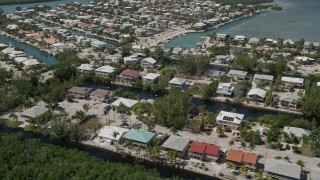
23,2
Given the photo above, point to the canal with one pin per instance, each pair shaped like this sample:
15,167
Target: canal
165,170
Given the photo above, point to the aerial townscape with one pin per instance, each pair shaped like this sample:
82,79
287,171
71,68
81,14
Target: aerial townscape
103,90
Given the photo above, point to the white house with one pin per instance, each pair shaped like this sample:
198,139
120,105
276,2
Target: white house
257,94
238,74
262,77
233,120
111,133
31,62
293,81
239,38
105,71
151,78
298,132
254,40
129,103
84,68
225,89
148,63
177,82
131,59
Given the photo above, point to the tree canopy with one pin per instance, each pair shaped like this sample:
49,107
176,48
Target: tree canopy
193,65
172,110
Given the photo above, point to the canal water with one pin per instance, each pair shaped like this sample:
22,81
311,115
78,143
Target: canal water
53,4
298,19
44,57
215,107
165,170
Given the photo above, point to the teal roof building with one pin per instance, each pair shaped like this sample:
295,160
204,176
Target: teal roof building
140,137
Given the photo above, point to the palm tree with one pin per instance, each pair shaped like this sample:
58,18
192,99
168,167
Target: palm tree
79,115
13,117
220,131
106,111
243,169
86,107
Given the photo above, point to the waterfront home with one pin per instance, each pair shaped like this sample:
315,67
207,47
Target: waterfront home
3,46
308,46
80,92
292,81
233,120
104,71
239,38
216,74
288,43
254,40
239,158
314,173
204,151
221,37
177,82
31,63
298,132
84,68
280,169
176,143
33,112
50,41
225,89
262,77
20,59
290,97
148,63
224,59
131,59
240,75
257,94
99,44
140,137
101,95
111,133
128,75
129,103
151,78
113,58
199,26
304,59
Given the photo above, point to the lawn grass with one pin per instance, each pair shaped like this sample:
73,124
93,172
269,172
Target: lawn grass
10,123
306,150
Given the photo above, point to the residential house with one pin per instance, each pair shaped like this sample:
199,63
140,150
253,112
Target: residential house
221,37
288,43
101,95
233,120
131,59
225,89
239,38
280,169
80,92
238,158
262,77
224,59
140,137
33,112
304,59
31,63
238,74
254,40
204,151
104,71
129,103
176,143
107,133
84,68
114,58
151,78
298,132
148,63
257,94
292,81
216,74
291,97
129,75
177,82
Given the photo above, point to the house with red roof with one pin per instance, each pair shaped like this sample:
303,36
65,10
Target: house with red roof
128,75
238,158
204,151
